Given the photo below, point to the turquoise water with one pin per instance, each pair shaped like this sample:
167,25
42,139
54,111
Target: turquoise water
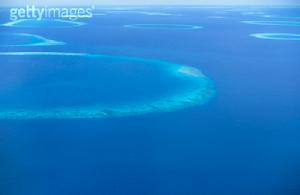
277,36
163,26
164,108
276,23
45,23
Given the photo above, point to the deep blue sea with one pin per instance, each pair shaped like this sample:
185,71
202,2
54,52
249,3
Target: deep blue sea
152,101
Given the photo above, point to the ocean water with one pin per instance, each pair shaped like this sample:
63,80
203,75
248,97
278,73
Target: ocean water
152,101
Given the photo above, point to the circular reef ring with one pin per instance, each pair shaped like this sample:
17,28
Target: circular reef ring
164,26
199,92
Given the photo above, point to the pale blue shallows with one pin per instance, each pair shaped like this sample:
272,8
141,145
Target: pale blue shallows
164,26
25,39
45,23
274,23
277,36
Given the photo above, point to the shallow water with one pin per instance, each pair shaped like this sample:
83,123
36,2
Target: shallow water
164,26
275,23
243,140
278,36
23,39
45,23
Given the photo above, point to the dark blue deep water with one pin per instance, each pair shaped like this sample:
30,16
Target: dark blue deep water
245,140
